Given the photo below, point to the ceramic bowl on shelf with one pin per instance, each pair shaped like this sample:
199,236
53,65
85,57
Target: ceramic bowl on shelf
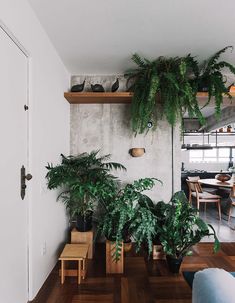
222,177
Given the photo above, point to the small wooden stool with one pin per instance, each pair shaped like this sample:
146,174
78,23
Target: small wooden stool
74,252
86,237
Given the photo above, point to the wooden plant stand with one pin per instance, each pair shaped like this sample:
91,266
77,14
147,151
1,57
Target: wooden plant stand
113,267
78,237
74,252
158,253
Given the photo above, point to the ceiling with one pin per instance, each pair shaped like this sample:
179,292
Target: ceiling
98,37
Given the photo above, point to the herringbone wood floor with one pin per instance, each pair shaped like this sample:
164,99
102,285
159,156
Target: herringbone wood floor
144,281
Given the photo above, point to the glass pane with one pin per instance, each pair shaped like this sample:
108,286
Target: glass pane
233,152
195,154
224,152
210,159
210,153
223,160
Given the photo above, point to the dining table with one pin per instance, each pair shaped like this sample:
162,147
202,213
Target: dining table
216,183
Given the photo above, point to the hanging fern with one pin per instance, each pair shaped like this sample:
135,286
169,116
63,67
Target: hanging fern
176,81
167,77
212,80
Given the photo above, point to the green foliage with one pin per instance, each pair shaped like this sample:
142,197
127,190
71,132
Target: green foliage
128,213
167,77
83,179
167,87
181,227
212,78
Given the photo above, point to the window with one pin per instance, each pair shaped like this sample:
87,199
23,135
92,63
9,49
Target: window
209,155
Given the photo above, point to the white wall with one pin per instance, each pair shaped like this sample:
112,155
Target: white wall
49,136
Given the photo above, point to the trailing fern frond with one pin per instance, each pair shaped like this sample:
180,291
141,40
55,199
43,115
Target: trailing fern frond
215,57
138,60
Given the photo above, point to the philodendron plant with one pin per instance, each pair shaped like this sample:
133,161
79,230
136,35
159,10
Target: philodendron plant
182,227
127,211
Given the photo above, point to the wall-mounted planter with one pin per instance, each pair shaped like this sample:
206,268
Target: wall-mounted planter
137,152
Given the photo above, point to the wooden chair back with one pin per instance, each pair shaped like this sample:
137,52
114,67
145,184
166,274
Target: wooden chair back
194,186
232,194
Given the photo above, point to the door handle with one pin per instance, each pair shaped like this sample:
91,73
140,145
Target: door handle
28,177
23,177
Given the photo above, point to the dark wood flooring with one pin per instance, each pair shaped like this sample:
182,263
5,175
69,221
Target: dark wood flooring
144,280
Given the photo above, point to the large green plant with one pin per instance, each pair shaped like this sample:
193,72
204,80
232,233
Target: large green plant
181,227
167,87
171,79
128,212
83,179
211,79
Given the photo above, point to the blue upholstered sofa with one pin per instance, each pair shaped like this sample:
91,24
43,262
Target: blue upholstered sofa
212,285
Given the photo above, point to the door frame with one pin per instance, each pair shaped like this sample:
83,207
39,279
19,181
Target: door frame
23,50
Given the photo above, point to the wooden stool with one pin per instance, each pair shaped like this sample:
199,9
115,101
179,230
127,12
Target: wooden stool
74,252
86,237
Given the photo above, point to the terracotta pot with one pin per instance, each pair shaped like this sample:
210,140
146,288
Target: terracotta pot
222,177
137,151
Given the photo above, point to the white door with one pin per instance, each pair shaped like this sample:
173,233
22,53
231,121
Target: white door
13,154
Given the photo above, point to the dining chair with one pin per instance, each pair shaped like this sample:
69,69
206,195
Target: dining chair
195,191
210,190
232,198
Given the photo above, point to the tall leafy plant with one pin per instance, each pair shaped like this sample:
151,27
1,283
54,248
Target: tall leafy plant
83,179
181,227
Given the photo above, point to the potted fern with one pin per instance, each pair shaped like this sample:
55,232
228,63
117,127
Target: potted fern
167,87
172,79
84,180
212,80
181,229
127,214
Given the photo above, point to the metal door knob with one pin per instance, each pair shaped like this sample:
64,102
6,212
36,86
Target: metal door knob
28,177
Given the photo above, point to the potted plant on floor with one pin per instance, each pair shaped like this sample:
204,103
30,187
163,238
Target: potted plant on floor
127,213
182,228
84,180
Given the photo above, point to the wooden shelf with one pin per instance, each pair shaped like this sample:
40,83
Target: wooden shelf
98,98
205,95
119,97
